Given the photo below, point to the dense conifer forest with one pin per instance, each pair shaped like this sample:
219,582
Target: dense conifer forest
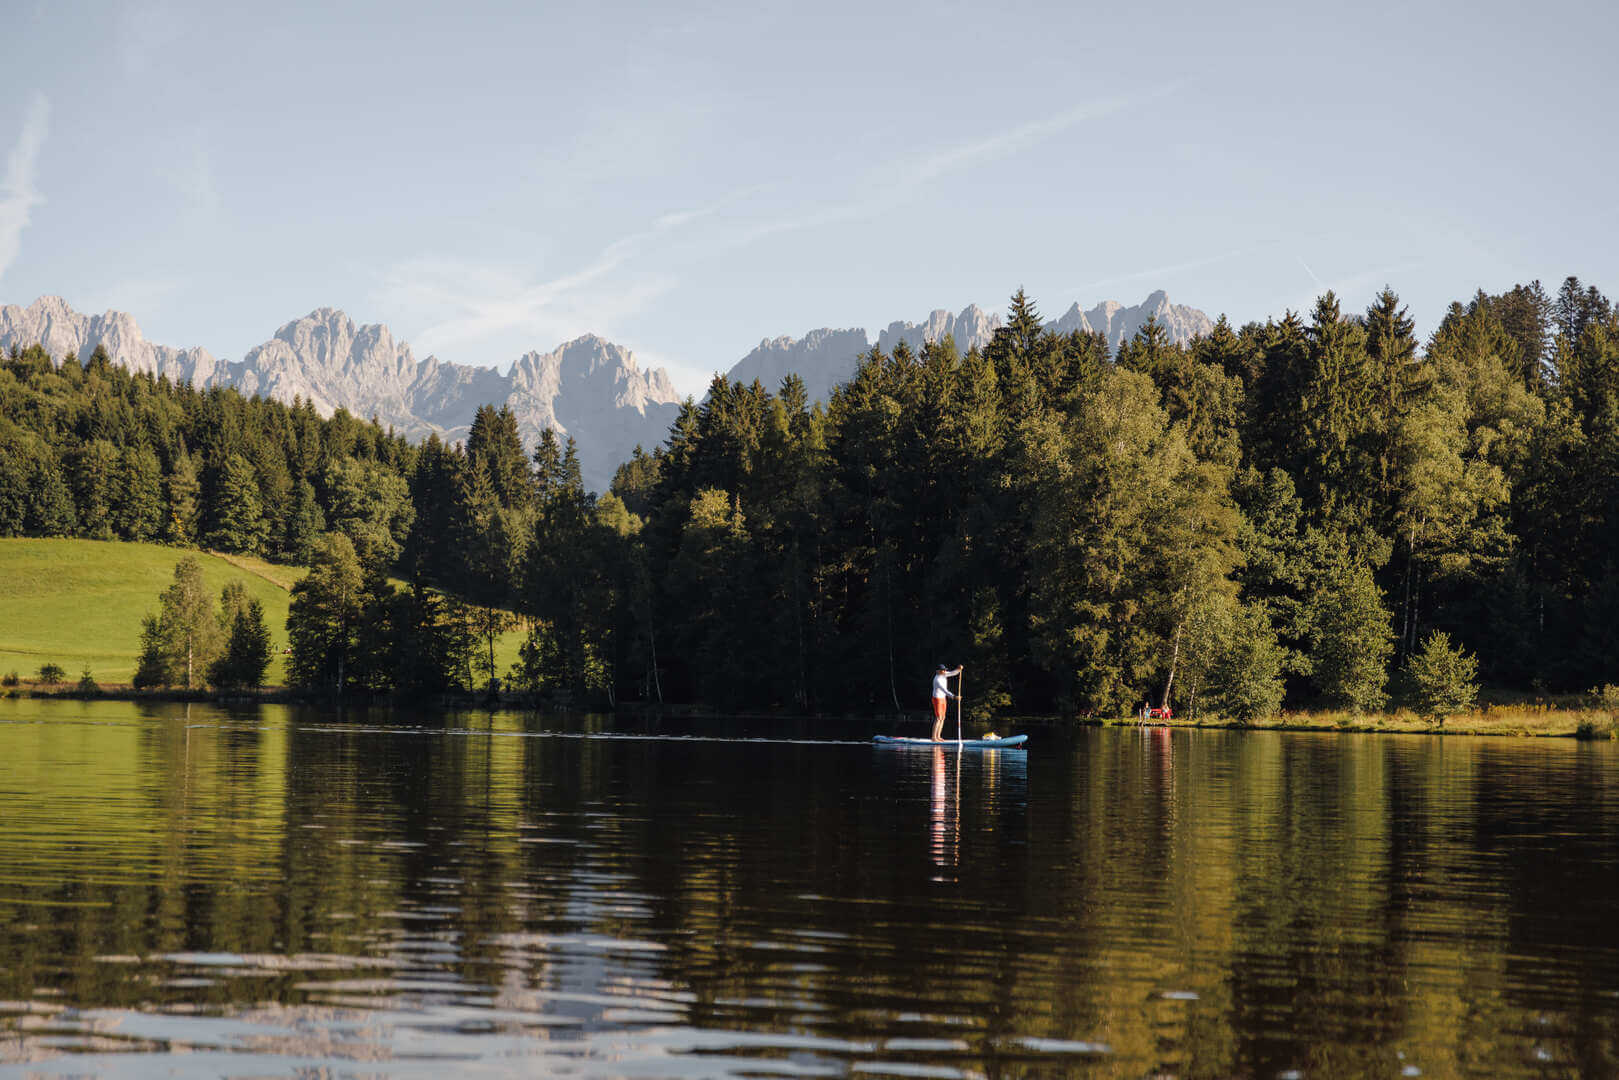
1298,511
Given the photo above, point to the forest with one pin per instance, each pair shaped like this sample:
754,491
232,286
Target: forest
1292,513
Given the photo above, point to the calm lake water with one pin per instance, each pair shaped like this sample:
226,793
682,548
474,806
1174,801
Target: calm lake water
279,892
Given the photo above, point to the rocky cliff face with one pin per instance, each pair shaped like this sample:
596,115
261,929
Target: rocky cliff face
824,358
1119,324
588,388
50,322
971,329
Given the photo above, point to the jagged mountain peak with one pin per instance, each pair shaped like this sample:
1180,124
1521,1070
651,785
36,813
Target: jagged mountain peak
606,402
51,322
825,357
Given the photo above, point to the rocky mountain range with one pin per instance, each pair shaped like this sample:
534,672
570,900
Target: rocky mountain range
50,322
825,357
588,388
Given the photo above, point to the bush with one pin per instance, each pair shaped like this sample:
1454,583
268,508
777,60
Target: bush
51,674
1350,639
87,683
9,679
1442,678
1247,681
247,652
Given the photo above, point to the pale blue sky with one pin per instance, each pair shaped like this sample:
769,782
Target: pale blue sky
686,179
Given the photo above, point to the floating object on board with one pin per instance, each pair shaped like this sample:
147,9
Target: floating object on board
1011,742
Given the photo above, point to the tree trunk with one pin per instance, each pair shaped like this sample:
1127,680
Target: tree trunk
652,637
1174,662
798,628
491,638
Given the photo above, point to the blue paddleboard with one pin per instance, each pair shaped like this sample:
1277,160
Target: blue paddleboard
1011,742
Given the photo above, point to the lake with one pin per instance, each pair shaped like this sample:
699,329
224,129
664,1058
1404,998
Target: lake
197,891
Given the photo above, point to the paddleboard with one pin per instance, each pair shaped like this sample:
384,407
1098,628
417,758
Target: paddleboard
1011,742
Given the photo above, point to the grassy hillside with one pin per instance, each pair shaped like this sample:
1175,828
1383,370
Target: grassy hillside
79,603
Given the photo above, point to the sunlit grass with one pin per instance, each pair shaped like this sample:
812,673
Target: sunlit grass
1524,718
79,603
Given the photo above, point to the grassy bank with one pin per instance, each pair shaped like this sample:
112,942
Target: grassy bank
1512,720
79,603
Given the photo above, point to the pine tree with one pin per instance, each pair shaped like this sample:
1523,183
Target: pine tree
1443,678
247,649
152,669
137,494
183,492
305,525
493,439
235,510
13,483
323,620
50,504
93,472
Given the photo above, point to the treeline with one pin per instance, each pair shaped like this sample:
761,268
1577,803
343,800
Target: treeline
1288,510
1283,511
95,451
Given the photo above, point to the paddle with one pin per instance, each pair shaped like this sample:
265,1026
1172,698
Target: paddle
959,679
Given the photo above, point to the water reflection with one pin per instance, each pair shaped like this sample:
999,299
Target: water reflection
946,817
273,892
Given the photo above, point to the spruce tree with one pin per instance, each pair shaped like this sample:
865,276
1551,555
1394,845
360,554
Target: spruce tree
182,496
137,494
323,620
50,503
305,525
235,510
1443,678
93,470
247,648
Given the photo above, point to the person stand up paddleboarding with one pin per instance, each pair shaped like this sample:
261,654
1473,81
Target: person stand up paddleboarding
941,698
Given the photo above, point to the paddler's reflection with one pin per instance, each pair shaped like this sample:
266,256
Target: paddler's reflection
945,823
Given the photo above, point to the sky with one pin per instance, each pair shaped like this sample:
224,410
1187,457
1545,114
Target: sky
688,179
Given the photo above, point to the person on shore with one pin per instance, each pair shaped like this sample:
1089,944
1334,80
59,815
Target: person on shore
941,697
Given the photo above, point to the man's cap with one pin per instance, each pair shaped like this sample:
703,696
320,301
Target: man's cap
944,667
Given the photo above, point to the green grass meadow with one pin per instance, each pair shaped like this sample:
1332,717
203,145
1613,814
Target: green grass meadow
79,603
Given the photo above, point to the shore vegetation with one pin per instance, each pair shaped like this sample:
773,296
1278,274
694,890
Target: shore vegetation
1318,514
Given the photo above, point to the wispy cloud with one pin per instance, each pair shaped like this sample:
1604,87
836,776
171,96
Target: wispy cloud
464,301
468,301
897,180
19,195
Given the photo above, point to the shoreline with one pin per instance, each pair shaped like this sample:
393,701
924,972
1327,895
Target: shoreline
1493,721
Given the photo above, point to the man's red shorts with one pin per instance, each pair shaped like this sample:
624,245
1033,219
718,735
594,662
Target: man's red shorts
939,706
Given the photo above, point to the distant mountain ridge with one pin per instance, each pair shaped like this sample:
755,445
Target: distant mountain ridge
825,357
52,323
588,388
